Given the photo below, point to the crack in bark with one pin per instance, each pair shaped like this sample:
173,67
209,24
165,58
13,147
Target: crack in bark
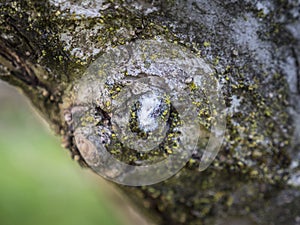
18,67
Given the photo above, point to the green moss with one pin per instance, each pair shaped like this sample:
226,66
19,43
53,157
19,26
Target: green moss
206,44
250,157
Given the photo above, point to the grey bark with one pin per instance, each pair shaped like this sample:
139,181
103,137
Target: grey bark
253,47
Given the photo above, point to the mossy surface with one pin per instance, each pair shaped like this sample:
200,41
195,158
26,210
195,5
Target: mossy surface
249,46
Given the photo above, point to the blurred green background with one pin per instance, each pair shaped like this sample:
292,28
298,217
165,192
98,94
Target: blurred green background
40,184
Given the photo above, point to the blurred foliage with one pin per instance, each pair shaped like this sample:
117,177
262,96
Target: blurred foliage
39,183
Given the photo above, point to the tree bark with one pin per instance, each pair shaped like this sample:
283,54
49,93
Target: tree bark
254,49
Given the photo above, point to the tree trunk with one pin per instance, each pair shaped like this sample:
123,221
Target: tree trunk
47,48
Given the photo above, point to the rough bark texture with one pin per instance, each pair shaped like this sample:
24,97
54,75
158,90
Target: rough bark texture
253,47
